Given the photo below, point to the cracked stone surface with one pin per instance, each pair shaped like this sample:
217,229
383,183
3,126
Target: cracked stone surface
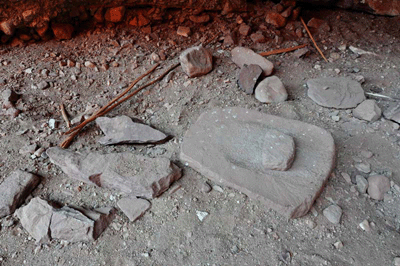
341,93
122,129
126,172
227,146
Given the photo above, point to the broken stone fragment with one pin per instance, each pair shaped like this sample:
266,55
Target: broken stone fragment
276,20
133,208
9,98
15,189
45,222
126,172
7,27
115,14
341,93
378,185
393,112
196,61
333,213
122,129
229,147
200,19
71,225
243,56
35,218
271,90
367,110
248,77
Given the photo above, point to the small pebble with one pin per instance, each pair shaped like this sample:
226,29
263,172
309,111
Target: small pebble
364,225
333,213
364,167
201,215
338,245
205,187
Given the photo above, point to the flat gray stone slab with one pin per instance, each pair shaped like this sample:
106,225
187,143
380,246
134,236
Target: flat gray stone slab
126,172
15,189
341,93
244,56
227,146
122,129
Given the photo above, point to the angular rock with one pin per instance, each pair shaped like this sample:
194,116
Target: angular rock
363,167
362,184
196,61
243,56
228,146
378,185
393,112
102,217
128,173
42,85
333,213
71,225
200,19
36,218
248,77
133,208
122,129
244,29
62,31
9,98
257,37
341,93
115,14
15,189
271,90
302,52
183,31
367,110
7,27
43,221
276,20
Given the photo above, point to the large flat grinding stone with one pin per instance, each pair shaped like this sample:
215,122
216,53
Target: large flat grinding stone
229,147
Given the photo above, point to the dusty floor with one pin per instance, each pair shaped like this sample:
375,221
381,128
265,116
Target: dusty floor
237,231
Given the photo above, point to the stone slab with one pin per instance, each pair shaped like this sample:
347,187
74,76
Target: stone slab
15,189
122,129
131,174
210,147
341,93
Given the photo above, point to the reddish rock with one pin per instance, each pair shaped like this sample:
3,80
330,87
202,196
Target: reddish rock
7,27
243,56
133,208
62,31
244,29
98,15
276,20
287,12
257,37
183,31
200,19
248,77
115,14
196,61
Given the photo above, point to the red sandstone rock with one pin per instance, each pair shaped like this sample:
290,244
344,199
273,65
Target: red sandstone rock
62,31
276,20
115,14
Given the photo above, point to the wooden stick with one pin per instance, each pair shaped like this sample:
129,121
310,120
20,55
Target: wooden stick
68,140
312,39
64,115
112,101
283,50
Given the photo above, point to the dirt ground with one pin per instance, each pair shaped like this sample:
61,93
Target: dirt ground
238,230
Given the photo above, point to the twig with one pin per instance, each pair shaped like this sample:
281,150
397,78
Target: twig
312,39
68,140
283,50
64,115
382,96
81,125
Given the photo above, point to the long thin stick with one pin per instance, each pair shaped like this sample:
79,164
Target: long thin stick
64,115
81,125
312,39
68,140
283,50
